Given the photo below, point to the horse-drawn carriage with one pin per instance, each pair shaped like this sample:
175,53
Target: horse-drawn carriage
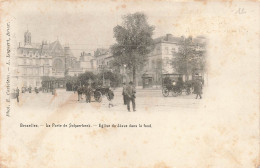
173,83
97,92
101,91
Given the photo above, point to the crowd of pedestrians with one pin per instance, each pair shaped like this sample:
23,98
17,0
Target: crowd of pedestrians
128,93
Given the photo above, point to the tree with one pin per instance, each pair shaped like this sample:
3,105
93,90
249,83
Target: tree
85,77
189,59
114,78
134,42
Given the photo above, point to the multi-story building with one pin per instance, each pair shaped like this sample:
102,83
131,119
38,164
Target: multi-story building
45,59
159,60
87,62
52,59
102,58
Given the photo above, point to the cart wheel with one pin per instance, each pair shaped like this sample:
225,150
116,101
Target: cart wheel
108,97
187,91
165,92
174,94
179,92
98,96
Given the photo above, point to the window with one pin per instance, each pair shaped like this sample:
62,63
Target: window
158,50
37,62
24,71
166,60
24,61
36,71
166,50
46,61
46,71
29,71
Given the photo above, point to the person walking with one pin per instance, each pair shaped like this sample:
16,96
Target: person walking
130,95
80,91
30,89
75,88
88,93
110,94
36,90
198,88
17,94
124,94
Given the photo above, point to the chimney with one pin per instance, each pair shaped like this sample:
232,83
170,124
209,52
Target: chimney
182,38
168,36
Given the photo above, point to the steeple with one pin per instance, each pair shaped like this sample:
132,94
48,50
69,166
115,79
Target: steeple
27,37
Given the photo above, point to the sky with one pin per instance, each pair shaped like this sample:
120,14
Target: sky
88,26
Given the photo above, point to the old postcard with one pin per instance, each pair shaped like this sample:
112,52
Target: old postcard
129,84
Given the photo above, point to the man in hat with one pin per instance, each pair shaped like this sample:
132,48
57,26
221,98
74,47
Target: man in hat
130,95
124,93
80,91
88,92
17,94
111,95
198,88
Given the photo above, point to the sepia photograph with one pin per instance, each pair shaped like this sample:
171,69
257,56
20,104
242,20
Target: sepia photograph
129,62
129,84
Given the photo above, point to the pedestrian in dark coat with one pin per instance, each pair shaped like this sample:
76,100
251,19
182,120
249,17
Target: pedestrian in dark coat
130,95
80,91
30,89
17,94
110,95
75,88
88,92
198,88
124,94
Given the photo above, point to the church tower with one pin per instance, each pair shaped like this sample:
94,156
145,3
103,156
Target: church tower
27,38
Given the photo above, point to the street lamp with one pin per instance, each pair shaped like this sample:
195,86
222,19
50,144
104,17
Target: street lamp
103,70
125,72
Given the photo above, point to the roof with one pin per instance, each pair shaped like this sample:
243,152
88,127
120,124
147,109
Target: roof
168,38
199,40
101,51
54,46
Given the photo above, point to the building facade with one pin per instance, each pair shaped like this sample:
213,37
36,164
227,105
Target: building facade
35,60
88,62
159,60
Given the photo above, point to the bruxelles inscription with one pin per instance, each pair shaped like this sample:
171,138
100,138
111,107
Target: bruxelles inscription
73,125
